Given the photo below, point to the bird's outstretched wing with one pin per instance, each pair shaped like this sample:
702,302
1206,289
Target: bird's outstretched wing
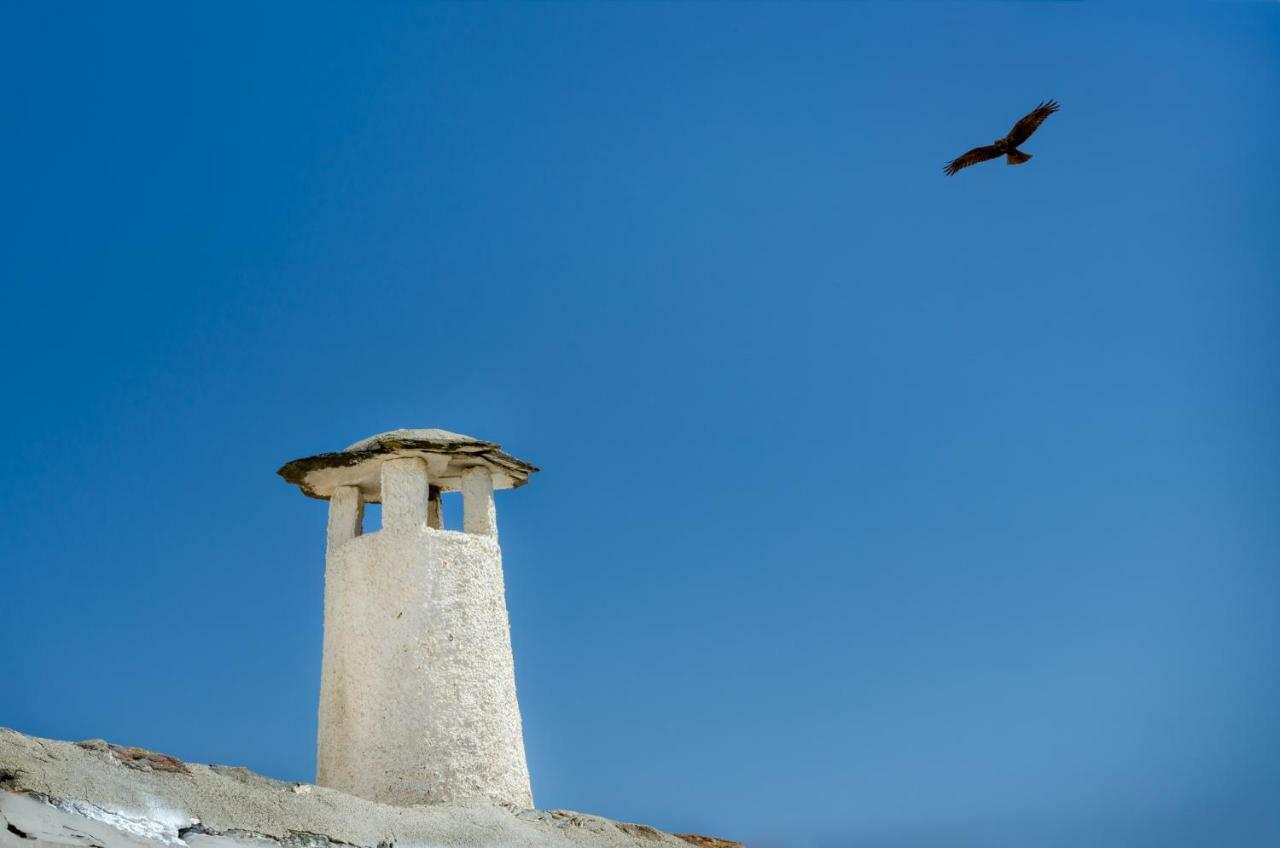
973,157
1023,129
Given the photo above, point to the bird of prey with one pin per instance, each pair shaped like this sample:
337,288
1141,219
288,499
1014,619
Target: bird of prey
1007,146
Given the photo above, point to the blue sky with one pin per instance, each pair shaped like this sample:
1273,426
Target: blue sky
878,507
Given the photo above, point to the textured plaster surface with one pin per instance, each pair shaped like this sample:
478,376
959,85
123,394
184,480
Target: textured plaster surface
418,697
478,513
95,795
346,516
404,493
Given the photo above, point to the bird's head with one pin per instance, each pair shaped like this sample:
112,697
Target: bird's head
1001,144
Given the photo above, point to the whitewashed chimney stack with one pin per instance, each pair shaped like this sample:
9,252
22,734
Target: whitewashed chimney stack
418,695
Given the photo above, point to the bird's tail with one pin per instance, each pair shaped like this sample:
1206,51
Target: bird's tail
1017,157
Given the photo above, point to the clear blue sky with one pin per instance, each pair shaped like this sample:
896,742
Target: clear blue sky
879,508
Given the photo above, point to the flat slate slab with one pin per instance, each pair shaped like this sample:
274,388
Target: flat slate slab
448,454
97,795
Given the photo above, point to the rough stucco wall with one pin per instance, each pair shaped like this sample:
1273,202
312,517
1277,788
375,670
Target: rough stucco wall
346,516
404,492
478,512
418,699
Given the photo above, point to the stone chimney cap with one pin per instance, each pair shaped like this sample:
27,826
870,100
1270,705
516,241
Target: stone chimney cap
447,456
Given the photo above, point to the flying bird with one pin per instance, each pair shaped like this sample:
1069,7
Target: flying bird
1007,146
